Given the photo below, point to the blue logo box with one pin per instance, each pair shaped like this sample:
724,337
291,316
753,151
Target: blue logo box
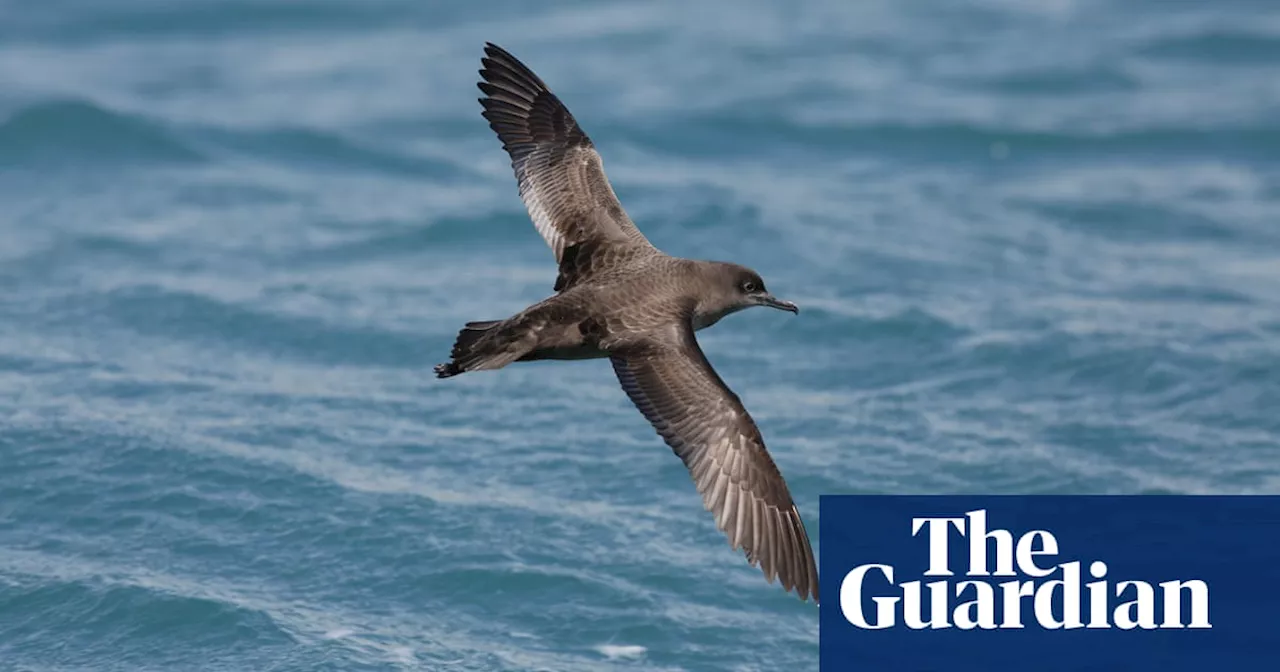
1049,583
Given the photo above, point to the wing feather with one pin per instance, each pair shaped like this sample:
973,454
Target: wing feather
703,421
561,178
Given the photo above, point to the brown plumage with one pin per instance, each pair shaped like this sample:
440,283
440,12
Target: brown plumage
619,297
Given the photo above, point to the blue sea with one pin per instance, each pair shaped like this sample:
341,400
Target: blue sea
1036,245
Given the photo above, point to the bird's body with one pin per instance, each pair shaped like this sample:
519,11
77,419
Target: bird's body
588,321
619,297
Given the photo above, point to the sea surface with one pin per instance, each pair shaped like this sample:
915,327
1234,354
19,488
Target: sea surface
1036,245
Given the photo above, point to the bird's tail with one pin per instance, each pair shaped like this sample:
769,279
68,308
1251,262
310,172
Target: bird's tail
479,346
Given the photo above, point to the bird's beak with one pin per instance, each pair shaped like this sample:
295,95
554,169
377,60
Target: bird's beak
774,302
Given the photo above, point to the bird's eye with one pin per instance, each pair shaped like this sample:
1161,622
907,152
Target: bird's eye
748,286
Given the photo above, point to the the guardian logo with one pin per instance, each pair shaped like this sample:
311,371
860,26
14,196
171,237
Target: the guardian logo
1012,583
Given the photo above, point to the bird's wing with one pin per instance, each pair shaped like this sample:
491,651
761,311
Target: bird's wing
560,175
704,422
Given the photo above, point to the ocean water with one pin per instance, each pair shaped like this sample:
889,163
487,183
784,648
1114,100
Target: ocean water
1036,244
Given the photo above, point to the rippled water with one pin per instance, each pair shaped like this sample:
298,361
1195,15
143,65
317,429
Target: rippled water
1037,245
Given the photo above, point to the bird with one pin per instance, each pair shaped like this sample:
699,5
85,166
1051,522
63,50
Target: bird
616,296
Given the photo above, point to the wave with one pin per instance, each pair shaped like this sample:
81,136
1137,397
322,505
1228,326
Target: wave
1062,82
1135,222
190,317
440,235
73,132
106,610
1218,48
948,142
324,150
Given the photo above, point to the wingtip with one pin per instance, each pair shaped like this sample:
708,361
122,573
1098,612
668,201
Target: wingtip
806,593
802,592
493,52
502,67
810,590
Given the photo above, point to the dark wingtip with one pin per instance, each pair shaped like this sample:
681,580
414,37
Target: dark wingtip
447,370
494,51
499,65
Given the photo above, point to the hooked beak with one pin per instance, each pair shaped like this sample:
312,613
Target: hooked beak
774,302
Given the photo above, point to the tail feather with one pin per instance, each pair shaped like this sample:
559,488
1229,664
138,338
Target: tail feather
465,356
447,370
470,334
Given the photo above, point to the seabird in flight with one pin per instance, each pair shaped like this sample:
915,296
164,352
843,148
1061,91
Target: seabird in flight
617,296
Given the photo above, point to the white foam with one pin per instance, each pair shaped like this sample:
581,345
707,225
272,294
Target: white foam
403,655
616,651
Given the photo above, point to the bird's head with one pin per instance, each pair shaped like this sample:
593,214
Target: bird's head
740,287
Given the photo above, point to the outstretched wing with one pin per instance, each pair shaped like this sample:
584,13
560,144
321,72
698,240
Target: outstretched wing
561,178
704,422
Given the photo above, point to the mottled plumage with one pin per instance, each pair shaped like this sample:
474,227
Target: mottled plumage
619,297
